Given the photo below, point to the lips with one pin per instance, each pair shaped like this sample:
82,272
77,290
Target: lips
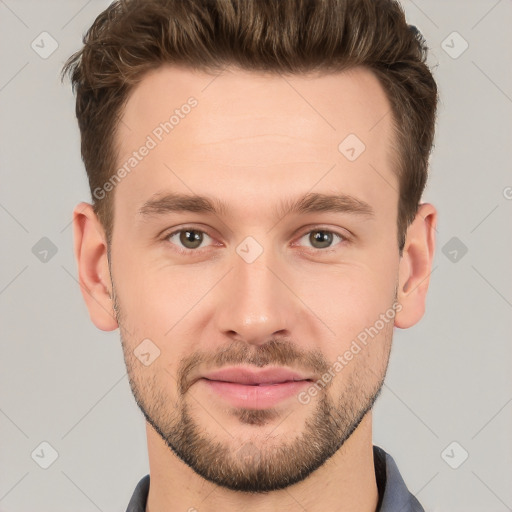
259,377
253,388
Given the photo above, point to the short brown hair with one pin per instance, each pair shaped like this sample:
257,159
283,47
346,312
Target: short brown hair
132,37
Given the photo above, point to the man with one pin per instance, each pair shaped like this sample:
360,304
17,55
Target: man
256,233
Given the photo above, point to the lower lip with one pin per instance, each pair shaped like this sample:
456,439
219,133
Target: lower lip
255,397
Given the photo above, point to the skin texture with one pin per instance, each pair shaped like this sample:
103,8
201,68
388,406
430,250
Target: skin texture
252,141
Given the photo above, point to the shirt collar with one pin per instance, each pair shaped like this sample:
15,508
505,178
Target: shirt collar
393,493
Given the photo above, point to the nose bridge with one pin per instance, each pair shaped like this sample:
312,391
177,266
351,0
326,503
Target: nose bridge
256,303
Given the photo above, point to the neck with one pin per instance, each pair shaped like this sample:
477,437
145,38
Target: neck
345,483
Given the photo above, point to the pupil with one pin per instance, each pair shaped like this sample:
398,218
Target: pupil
323,238
191,239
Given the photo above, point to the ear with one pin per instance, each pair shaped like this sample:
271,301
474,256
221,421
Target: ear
415,267
90,246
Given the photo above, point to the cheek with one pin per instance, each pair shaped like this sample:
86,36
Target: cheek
350,298
351,301
158,300
360,361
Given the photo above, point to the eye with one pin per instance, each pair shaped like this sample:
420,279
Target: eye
321,239
187,239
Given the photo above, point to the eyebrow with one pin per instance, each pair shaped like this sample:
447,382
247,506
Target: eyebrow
308,203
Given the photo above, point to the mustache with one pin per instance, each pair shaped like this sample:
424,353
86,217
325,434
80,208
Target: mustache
275,352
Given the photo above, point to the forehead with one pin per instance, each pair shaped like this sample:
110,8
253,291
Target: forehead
255,131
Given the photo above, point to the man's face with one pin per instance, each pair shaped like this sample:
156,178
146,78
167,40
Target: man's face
249,286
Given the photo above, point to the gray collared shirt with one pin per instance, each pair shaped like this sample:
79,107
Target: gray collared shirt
393,493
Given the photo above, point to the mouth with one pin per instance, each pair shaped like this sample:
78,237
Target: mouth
259,383
254,389
256,377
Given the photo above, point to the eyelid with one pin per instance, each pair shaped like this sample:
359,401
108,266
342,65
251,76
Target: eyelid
345,238
184,250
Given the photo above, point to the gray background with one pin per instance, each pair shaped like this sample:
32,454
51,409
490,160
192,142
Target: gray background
62,381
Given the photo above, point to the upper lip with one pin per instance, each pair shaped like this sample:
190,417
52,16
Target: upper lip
248,376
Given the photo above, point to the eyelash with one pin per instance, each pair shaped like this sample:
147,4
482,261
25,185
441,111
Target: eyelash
344,239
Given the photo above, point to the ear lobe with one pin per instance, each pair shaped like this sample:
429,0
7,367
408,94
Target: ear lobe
416,266
93,273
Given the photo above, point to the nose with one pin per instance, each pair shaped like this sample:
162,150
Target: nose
257,302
